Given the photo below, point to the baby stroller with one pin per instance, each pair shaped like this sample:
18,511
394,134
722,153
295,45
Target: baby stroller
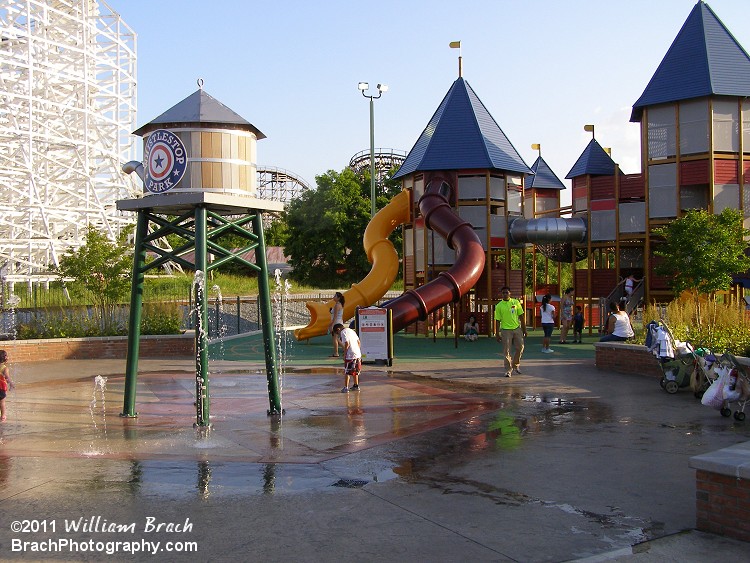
677,360
731,386
705,373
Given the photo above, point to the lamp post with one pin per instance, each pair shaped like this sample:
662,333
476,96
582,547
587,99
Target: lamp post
363,87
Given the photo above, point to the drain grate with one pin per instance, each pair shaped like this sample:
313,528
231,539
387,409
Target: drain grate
350,483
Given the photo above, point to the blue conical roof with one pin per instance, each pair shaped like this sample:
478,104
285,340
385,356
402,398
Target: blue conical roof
543,177
462,134
594,160
704,59
200,107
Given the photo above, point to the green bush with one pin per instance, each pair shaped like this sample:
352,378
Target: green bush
722,327
157,318
161,318
76,324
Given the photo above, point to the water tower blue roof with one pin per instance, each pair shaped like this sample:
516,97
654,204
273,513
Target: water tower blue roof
704,59
200,107
543,177
594,160
462,134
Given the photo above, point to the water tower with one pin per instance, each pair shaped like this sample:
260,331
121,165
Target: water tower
199,175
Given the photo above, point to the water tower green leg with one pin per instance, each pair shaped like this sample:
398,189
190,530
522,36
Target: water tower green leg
264,299
134,328
201,329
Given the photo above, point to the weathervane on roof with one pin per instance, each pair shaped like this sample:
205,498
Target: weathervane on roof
590,129
457,45
200,84
537,147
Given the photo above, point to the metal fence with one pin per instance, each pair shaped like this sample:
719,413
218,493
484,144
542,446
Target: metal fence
237,315
227,316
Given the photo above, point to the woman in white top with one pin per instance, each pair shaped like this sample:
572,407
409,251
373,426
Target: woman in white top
548,323
618,326
337,318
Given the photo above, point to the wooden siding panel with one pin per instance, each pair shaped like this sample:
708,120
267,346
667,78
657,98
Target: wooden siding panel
602,282
546,193
602,187
603,205
725,172
694,173
579,182
632,186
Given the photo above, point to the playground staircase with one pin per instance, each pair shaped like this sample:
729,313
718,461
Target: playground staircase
618,295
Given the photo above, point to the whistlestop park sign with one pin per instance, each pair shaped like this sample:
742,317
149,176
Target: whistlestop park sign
166,161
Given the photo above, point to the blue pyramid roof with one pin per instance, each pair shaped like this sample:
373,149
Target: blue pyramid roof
200,107
543,177
462,134
704,59
594,160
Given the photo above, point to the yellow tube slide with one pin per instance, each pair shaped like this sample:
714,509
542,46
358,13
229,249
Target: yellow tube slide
384,260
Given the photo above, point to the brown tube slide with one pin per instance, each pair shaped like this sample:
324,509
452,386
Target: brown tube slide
449,286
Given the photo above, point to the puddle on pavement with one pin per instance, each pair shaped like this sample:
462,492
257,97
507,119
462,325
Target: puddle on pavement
413,458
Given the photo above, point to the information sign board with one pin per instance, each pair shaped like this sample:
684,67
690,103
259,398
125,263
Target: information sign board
375,334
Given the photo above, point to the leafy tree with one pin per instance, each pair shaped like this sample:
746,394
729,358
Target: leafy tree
701,251
99,269
277,232
324,228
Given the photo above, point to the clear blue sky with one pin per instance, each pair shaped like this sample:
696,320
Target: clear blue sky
543,68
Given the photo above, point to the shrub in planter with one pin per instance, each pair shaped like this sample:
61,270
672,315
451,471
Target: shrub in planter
161,318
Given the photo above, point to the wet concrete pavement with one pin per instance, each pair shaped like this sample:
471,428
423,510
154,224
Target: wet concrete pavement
434,459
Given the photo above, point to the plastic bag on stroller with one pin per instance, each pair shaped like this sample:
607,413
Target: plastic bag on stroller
714,395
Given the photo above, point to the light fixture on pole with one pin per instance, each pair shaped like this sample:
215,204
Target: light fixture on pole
363,87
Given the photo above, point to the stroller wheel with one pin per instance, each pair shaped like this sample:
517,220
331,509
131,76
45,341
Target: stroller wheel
726,412
663,382
671,387
739,416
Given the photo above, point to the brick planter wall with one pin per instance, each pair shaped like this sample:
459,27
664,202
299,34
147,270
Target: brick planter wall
626,358
722,478
723,491
115,347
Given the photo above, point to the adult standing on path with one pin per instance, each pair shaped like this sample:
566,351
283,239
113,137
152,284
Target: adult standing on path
510,327
337,318
566,314
548,322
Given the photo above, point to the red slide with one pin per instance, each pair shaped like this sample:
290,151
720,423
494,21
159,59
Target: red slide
416,304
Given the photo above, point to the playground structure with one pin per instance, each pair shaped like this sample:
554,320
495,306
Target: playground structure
695,131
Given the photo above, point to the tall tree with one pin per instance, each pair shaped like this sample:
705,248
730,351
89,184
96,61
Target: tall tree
99,269
325,228
701,251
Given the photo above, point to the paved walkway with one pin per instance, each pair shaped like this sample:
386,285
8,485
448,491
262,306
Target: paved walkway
436,458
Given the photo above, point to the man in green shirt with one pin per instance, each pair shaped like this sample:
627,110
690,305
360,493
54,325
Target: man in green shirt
510,327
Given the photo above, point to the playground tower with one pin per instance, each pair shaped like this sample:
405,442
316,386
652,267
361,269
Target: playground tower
695,138
695,154
68,99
